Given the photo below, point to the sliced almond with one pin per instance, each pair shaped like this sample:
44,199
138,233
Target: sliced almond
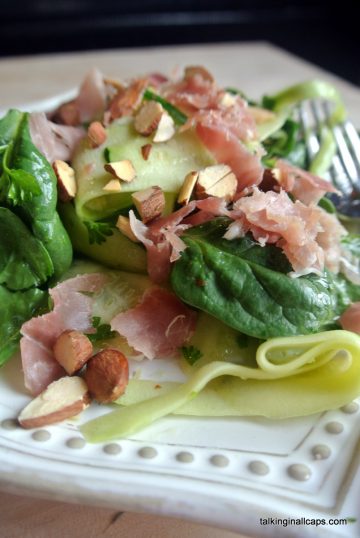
123,224
150,203
96,134
148,118
194,70
217,180
261,115
123,170
113,185
66,180
165,130
228,99
62,399
145,151
187,188
72,349
107,375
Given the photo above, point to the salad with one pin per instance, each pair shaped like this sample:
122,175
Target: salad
177,221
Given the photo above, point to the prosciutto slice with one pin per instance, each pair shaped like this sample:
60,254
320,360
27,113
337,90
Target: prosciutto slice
52,140
228,149
161,240
309,237
305,186
158,326
72,310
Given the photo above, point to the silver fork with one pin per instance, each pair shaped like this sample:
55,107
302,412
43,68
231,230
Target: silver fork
344,171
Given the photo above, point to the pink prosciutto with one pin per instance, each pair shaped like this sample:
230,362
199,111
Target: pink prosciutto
305,186
52,140
161,240
350,319
158,326
91,100
72,310
228,149
309,237
222,122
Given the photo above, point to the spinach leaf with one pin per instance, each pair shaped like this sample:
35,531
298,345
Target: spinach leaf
16,308
28,182
24,261
247,287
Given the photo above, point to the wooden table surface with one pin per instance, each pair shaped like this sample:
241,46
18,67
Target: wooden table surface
258,68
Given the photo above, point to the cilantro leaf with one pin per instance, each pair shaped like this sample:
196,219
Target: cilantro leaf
98,231
103,331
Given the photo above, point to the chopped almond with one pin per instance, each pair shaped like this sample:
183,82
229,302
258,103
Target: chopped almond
261,115
123,170
194,70
68,114
150,203
148,117
187,188
123,224
96,134
107,375
113,185
116,84
62,399
166,128
217,180
66,180
128,99
72,349
145,151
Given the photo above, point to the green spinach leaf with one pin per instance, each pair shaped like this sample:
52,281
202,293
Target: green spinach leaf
16,308
28,182
24,261
247,286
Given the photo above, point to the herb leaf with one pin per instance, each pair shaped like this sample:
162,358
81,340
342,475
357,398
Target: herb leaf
103,331
98,231
176,114
191,354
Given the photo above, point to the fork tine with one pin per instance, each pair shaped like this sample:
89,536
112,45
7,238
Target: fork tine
337,174
354,139
347,159
311,140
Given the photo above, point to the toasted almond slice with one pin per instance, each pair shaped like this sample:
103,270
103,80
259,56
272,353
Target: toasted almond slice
66,180
150,203
107,375
148,117
72,349
117,84
217,180
145,151
193,70
112,186
227,99
187,187
166,128
123,224
96,134
261,115
123,170
62,399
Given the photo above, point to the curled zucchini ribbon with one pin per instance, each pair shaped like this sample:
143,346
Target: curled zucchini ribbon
295,376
